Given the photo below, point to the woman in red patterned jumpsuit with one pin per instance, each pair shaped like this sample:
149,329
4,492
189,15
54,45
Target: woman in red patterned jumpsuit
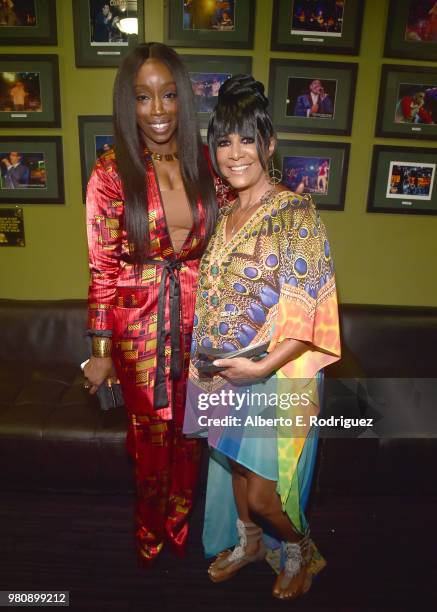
150,209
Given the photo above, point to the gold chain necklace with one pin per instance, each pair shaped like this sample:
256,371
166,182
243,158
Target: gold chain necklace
261,201
161,156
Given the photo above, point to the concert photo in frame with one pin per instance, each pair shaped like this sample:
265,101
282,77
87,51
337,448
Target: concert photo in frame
95,139
103,144
410,179
207,74
215,15
22,170
306,174
403,180
206,86
412,29
210,23
20,13
105,20
315,17
29,91
31,170
407,102
312,97
317,168
28,22
317,26
105,30
20,91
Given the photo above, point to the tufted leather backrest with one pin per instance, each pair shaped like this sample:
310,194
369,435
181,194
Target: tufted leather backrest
387,341
43,332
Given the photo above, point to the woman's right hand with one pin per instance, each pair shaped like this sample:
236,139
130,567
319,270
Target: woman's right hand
97,370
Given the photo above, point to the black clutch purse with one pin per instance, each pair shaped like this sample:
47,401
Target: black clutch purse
207,356
110,395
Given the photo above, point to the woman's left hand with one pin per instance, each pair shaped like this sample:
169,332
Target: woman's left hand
240,369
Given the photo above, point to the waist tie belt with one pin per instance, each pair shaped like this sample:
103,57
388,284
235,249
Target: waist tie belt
170,269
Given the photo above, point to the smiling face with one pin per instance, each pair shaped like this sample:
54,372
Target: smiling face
156,106
315,86
239,163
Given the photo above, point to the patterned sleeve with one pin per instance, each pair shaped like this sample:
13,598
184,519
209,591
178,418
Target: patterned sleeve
307,309
104,208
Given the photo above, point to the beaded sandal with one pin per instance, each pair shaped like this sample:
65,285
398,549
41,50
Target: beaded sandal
230,561
295,579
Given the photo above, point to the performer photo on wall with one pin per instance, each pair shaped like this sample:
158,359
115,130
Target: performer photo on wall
105,21
103,144
306,174
205,88
22,170
17,13
416,103
209,15
311,98
20,91
421,24
317,16
414,180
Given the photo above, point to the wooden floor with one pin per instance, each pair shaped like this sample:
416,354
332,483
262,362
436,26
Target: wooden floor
381,555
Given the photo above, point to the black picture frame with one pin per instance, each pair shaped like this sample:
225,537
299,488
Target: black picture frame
43,92
240,37
286,75
300,156
104,55
91,127
42,156
223,66
402,88
347,42
402,38
43,32
390,166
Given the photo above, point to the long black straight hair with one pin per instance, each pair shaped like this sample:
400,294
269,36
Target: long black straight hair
129,149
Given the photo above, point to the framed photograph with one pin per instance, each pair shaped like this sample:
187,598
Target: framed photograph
317,168
207,74
210,23
312,97
105,31
403,180
28,22
31,170
29,91
317,26
412,29
407,105
95,139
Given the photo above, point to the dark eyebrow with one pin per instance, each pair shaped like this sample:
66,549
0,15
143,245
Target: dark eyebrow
143,85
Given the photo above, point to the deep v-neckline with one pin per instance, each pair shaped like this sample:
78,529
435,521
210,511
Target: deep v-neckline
253,220
166,228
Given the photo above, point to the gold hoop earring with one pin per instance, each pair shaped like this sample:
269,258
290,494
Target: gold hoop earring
275,175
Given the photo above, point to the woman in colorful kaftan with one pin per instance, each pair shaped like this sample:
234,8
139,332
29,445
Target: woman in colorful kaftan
266,278
151,206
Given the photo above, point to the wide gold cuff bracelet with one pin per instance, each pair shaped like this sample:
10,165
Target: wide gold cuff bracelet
101,346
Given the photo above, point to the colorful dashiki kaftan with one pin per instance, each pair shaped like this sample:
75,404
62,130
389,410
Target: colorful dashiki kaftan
150,318
273,280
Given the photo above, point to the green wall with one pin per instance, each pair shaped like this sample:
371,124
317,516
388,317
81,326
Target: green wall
380,258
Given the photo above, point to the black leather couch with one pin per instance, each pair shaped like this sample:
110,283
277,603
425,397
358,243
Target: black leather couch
54,436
